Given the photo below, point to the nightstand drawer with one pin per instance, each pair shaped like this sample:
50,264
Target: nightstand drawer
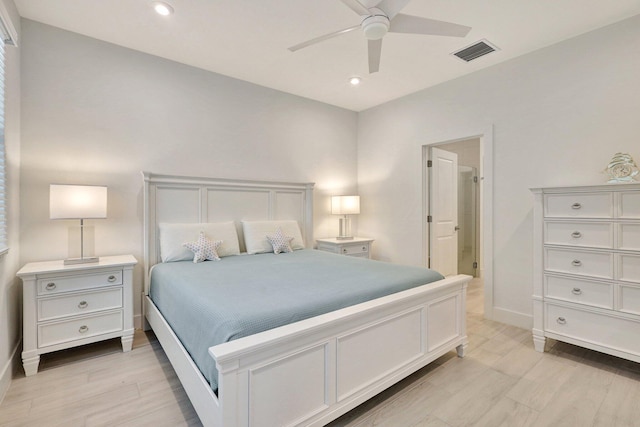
597,294
356,250
595,264
80,303
53,285
586,234
79,328
579,205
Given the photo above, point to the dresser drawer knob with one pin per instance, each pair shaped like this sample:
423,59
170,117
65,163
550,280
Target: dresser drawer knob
576,206
83,329
344,251
576,234
576,291
364,249
83,304
576,263
561,320
111,278
50,286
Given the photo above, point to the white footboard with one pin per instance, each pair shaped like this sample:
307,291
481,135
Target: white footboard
311,372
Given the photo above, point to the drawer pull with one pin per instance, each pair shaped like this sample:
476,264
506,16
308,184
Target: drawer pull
576,291
576,234
111,278
344,251
83,329
576,263
50,286
83,304
364,249
561,320
576,206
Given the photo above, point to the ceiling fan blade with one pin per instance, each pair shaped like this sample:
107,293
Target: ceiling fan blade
375,50
417,25
392,7
356,6
322,38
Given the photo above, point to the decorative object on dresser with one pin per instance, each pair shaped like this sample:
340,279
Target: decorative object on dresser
78,202
621,168
345,206
586,268
70,305
357,247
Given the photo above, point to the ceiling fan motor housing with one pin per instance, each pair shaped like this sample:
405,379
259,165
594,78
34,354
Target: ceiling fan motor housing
376,25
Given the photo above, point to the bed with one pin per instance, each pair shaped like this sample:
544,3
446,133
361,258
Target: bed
321,365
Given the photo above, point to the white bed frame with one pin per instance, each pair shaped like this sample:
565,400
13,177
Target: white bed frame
309,372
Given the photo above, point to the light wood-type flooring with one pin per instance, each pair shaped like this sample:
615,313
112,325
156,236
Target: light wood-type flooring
501,382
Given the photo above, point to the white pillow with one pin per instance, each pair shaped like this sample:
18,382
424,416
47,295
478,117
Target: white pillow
255,234
174,235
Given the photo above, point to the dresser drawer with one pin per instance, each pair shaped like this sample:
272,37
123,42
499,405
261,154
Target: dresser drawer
629,299
79,328
629,267
594,264
53,285
607,331
586,234
579,205
597,294
629,236
79,303
629,204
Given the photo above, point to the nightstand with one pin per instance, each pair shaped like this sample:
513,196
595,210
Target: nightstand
70,305
356,247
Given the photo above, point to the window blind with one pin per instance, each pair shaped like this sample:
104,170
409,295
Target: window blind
6,39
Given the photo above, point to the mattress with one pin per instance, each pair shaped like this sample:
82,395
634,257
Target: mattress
213,302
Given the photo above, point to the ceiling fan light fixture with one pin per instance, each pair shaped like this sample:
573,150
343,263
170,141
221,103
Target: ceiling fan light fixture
162,8
375,27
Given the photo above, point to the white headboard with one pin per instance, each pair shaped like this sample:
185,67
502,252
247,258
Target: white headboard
170,198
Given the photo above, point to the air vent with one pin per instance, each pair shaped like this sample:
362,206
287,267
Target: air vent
475,51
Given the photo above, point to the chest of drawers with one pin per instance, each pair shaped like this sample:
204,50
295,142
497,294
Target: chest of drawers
69,305
586,263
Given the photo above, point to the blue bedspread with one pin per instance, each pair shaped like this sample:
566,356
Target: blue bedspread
217,301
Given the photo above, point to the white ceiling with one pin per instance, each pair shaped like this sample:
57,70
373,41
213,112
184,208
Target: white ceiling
248,39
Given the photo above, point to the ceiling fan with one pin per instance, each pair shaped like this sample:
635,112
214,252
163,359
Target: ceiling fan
382,16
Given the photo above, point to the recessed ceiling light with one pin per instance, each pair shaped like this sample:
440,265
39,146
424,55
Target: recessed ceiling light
355,80
162,8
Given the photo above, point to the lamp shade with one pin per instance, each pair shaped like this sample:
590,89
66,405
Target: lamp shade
77,201
345,205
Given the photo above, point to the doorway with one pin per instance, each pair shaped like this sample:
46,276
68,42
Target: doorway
465,254
475,155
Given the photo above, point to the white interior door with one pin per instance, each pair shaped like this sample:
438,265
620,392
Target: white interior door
443,205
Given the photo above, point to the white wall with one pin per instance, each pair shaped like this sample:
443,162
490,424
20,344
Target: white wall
97,113
558,115
10,286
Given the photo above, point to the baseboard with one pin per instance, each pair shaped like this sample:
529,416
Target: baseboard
524,321
8,369
137,321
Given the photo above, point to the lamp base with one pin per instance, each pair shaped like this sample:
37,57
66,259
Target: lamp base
344,238
73,261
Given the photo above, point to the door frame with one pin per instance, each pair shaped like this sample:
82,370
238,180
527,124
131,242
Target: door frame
486,207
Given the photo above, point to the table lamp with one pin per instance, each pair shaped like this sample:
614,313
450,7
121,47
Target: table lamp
345,206
78,202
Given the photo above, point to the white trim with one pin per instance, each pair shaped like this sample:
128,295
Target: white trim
7,371
7,25
502,315
486,207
